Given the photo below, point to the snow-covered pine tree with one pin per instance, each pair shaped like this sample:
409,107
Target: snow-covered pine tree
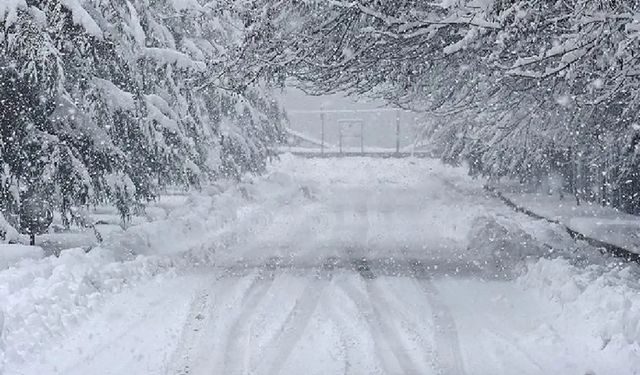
119,98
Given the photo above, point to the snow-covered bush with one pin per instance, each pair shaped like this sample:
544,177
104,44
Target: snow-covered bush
505,244
122,192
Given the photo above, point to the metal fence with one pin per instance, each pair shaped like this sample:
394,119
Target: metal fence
361,131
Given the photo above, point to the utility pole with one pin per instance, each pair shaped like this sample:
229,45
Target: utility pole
398,131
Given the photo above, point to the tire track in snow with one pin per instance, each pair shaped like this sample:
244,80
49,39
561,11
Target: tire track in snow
280,349
524,357
197,319
343,336
377,333
236,360
380,327
449,356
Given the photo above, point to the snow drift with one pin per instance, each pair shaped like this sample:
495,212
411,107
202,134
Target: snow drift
41,298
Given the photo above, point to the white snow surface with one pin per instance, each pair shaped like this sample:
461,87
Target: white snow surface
12,254
82,18
180,5
114,96
196,291
9,10
169,56
605,224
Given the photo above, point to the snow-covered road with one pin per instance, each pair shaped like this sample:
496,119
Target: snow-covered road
363,267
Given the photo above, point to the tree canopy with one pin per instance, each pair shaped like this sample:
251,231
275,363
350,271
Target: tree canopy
111,100
518,88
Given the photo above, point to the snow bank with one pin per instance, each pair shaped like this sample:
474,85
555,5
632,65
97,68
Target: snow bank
42,298
195,224
599,304
605,224
183,229
12,254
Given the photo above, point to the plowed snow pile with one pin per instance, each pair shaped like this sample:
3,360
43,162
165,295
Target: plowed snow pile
599,306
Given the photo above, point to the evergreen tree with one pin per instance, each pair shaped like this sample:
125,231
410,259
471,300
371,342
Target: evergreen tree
110,101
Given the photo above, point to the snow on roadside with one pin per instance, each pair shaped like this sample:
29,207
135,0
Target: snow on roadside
41,299
594,299
13,254
605,224
598,306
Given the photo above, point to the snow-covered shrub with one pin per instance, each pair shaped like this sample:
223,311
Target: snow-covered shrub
506,244
122,192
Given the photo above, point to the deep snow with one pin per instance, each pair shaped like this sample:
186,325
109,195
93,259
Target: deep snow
591,219
268,277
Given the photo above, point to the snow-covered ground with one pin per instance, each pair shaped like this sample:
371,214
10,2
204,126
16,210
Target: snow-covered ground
605,224
326,266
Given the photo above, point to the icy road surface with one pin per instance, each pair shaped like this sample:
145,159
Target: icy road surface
353,266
